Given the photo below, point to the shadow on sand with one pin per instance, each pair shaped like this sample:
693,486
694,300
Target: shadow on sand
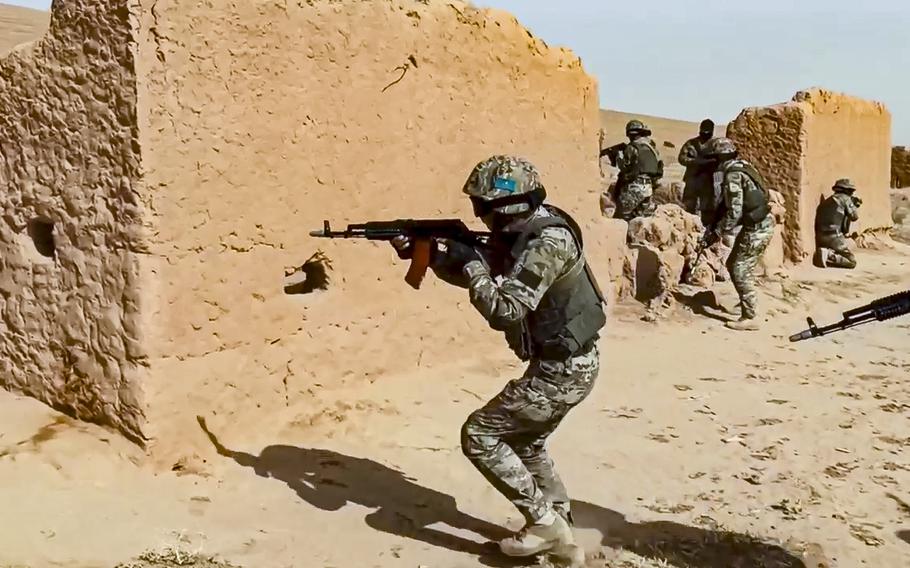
683,546
329,480
700,302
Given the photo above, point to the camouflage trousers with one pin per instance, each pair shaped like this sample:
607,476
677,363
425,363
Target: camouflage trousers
634,199
749,246
506,438
840,256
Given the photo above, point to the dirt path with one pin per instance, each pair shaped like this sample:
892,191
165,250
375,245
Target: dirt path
695,438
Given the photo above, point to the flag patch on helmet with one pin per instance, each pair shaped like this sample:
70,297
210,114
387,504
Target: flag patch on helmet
505,184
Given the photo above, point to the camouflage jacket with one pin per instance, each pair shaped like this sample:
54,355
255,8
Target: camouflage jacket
507,291
835,214
732,185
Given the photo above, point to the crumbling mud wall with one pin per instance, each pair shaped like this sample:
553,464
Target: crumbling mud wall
69,235
802,147
900,167
261,119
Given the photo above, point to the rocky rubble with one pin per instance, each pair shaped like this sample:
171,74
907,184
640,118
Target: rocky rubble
663,246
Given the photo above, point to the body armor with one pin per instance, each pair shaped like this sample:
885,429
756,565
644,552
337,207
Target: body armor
648,162
570,315
756,201
831,216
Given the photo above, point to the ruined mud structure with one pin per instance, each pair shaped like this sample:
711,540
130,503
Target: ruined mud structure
900,167
805,145
163,163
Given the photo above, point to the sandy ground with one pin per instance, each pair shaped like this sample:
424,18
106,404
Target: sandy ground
20,25
694,438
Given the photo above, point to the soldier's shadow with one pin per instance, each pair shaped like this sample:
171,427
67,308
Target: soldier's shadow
682,546
703,303
330,480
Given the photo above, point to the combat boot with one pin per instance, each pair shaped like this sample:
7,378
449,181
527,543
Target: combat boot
563,509
743,324
543,536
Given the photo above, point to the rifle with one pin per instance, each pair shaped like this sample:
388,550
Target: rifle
879,310
689,267
613,152
423,233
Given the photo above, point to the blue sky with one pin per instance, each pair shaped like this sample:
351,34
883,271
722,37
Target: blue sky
690,59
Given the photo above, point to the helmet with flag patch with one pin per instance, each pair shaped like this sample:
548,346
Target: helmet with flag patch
507,185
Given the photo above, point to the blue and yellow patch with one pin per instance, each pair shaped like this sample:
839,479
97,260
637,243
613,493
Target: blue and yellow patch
505,184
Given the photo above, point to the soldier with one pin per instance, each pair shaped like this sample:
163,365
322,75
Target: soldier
538,290
698,195
746,203
640,170
832,224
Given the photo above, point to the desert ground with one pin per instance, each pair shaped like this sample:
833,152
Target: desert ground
699,447
20,25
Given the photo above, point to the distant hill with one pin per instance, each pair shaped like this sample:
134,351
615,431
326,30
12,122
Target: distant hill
20,25
664,131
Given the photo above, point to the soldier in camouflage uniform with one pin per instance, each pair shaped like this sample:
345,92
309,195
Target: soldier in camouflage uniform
536,287
640,171
698,194
832,224
746,203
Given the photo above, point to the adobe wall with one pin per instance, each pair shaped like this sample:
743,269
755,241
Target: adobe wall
900,167
262,119
69,237
802,147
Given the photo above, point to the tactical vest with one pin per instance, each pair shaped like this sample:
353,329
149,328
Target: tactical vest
570,314
647,164
831,218
756,200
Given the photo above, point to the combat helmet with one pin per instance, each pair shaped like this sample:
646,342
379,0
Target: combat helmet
508,185
720,147
844,185
637,127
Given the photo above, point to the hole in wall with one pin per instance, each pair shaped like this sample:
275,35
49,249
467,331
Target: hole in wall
41,232
312,276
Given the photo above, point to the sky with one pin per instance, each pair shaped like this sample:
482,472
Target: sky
692,59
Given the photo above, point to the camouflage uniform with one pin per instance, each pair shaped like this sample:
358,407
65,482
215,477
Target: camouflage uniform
753,238
506,438
515,289
640,170
832,221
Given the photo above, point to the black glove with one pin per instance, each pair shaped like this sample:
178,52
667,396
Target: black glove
457,252
857,201
711,237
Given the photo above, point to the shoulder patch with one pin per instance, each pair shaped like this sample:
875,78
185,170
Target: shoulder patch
529,278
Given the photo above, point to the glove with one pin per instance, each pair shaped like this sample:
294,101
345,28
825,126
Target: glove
857,201
404,246
710,238
458,253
